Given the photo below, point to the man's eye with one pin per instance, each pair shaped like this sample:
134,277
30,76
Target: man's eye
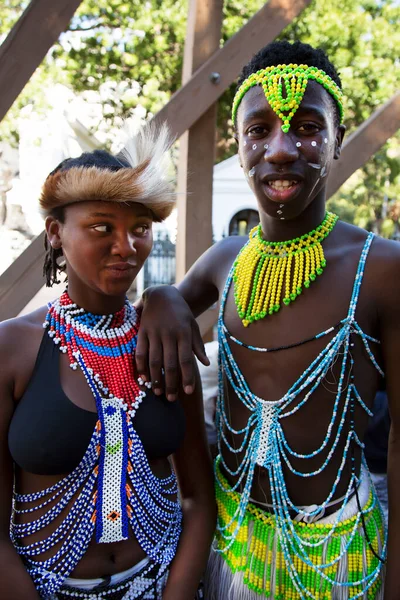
257,130
308,128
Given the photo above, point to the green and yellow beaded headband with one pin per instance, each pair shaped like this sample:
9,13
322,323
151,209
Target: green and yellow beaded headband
293,79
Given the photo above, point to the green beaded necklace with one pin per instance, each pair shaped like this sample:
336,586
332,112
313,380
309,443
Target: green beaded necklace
284,87
264,271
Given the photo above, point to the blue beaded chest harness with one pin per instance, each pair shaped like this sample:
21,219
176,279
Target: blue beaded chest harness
111,489
263,440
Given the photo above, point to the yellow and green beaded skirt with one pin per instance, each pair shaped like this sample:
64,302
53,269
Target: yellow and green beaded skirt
254,565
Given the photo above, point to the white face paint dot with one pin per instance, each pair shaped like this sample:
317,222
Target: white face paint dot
298,144
326,140
266,146
313,143
254,146
244,143
279,212
252,171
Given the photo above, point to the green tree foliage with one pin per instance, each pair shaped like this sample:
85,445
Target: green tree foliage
137,46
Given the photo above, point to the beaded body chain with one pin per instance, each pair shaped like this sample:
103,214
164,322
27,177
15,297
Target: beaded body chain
266,445
113,487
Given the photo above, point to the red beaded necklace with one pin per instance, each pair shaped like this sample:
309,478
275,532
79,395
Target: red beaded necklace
102,345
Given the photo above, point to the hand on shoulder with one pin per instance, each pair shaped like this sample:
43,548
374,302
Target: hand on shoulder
169,334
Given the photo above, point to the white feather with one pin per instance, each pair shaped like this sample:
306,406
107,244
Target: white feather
150,145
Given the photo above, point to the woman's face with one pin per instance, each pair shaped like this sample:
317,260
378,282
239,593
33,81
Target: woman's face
104,244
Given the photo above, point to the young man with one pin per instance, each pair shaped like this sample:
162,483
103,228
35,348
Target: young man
309,320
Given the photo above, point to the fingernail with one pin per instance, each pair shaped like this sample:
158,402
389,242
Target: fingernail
189,389
171,397
157,391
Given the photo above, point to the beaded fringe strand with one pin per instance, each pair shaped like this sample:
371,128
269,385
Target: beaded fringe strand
254,567
264,270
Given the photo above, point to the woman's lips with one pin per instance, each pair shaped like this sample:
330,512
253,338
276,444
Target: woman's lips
281,190
121,270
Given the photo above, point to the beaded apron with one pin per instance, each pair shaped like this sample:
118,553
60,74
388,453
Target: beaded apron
113,487
266,446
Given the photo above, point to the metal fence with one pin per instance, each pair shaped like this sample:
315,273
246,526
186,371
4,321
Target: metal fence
159,268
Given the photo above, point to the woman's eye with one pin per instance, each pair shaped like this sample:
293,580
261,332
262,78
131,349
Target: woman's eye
142,229
102,228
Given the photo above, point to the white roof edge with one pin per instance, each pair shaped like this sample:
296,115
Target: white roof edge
224,164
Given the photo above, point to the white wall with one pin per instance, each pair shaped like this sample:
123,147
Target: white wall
231,193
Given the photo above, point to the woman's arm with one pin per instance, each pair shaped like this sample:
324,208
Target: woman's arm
193,468
15,582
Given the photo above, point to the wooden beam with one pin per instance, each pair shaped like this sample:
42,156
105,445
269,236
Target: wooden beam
364,143
182,111
197,146
22,280
210,80
27,44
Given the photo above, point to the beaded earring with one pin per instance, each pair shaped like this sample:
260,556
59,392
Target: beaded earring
284,87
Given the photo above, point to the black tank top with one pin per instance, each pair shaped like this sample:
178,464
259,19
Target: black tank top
49,434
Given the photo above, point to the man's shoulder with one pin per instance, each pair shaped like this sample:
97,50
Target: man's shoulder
382,271
230,245
383,253
385,258
223,253
387,251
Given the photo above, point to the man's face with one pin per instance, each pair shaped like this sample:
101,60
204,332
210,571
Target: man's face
288,171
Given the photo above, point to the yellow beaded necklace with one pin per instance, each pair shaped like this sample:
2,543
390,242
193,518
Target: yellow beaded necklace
263,270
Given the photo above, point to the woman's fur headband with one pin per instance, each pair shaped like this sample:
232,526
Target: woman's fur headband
138,174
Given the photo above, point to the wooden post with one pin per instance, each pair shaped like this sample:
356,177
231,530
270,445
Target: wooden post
191,101
23,278
364,142
27,43
182,111
197,146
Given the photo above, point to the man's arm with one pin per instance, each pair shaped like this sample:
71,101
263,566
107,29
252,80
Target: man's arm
168,333
389,319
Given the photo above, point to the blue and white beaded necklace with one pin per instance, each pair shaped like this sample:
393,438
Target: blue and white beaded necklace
113,487
265,443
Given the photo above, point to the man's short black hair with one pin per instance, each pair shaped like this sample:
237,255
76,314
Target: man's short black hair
278,53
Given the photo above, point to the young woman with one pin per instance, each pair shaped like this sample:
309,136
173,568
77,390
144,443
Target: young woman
309,321
96,508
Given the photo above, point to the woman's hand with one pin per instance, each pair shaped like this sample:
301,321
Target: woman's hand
168,337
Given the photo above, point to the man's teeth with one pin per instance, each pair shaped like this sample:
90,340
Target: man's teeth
281,184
